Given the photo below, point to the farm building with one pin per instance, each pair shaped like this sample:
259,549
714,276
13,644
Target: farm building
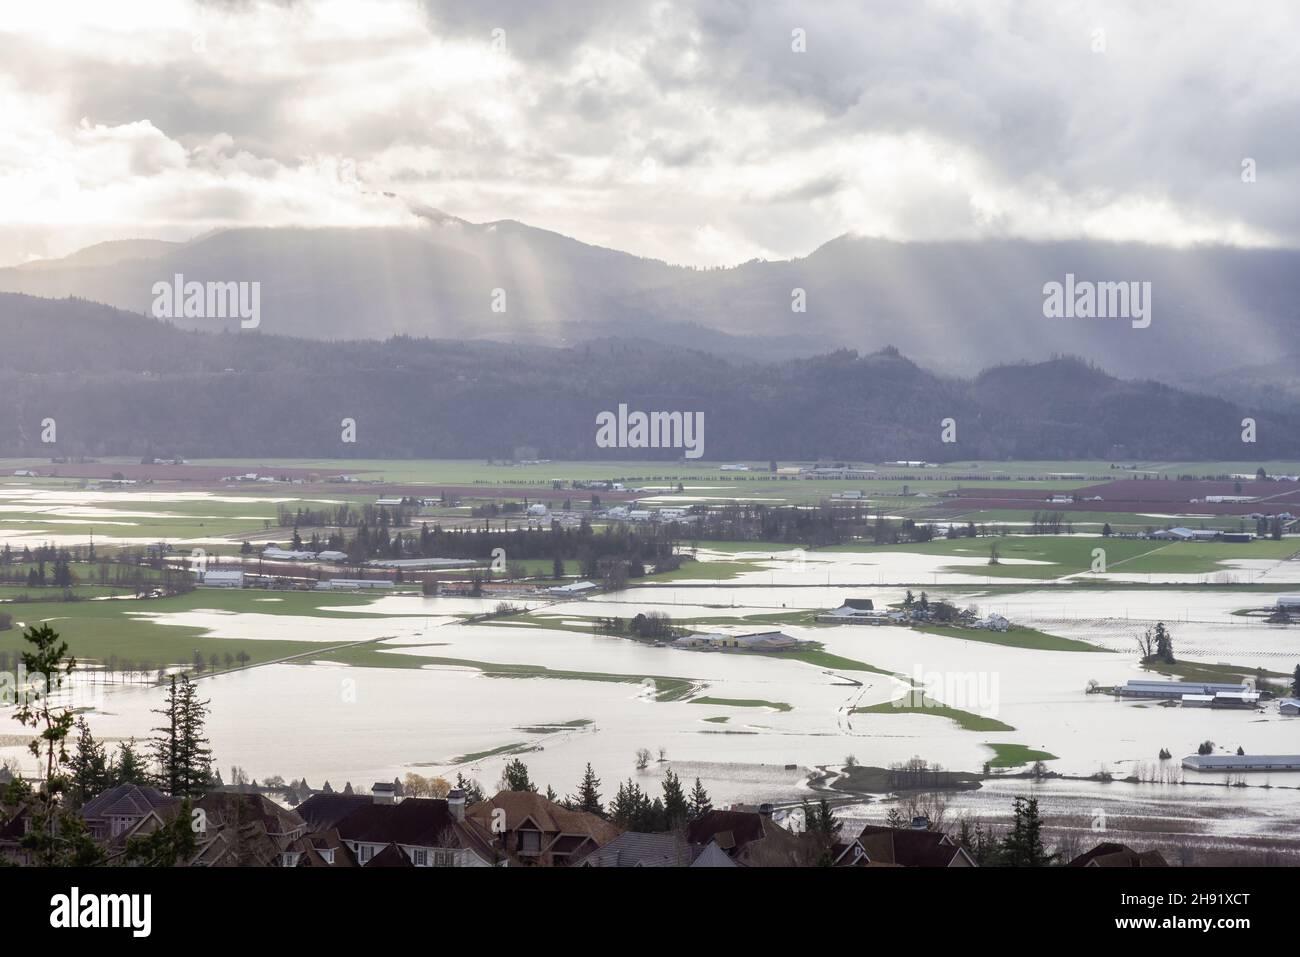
1235,699
281,554
859,611
573,588
217,579
1287,602
766,641
1242,762
1140,688
1289,706
360,584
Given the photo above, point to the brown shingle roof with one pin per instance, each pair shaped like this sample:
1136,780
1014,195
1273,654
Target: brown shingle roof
908,847
550,818
1111,854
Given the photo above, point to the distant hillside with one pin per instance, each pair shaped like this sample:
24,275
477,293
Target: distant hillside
118,383
955,306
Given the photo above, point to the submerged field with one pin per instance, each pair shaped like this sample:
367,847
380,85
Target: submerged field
365,687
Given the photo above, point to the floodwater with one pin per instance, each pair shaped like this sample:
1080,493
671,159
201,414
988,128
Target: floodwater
330,721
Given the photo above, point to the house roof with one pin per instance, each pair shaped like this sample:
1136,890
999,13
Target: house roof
415,822
1111,854
748,836
637,849
861,604
908,847
125,800
322,811
390,856
547,816
314,848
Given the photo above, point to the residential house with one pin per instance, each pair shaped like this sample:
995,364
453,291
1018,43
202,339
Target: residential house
235,829
323,811
429,832
667,849
12,830
1111,854
912,847
126,811
751,838
534,831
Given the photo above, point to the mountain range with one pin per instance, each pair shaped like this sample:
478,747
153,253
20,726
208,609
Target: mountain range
120,383
1224,319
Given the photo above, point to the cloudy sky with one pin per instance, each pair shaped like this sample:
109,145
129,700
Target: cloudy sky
704,133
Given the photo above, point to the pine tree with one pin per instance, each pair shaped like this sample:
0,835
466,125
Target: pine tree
823,829
472,789
180,750
515,777
699,804
1023,846
89,766
1295,682
676,806
589,793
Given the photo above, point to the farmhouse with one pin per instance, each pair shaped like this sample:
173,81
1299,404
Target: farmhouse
1242,762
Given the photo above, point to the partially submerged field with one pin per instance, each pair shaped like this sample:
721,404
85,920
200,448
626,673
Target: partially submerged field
368,686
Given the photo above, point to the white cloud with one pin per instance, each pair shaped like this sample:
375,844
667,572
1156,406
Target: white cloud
686,132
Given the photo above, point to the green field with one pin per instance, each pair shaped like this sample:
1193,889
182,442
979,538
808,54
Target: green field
1015,755
1061,555
1014,637
743,703
967,720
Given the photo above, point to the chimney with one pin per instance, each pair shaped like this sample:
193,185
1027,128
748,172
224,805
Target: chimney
921,822
765,810
456,803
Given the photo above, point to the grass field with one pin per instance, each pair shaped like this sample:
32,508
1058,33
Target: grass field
1015,755
743,703
1014,637
967,720
1061,555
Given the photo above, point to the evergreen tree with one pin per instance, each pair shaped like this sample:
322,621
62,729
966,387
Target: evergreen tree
1295,682
1023,845
1164,643
677,808
699,804
180,750
824,828
89,766
589,793
473,791
515,777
